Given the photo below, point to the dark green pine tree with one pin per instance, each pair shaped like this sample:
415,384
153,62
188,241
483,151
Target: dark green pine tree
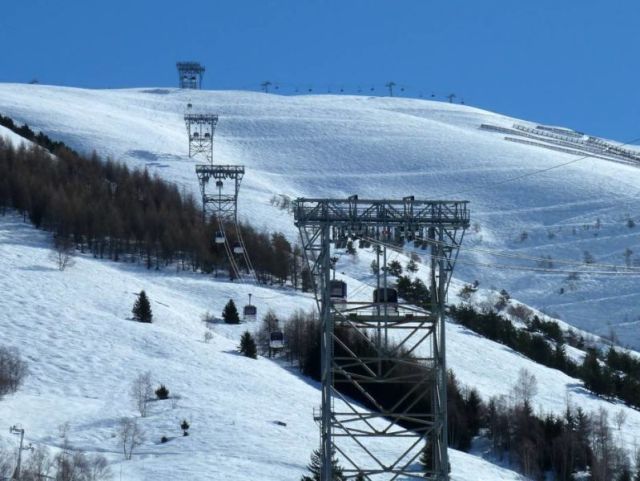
230,313
426,458
248,346
142,308
316,464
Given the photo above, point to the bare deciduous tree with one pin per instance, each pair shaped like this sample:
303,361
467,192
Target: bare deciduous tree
620,418
142,392
63,252
526,387
6,463
38,465
13,370
130,435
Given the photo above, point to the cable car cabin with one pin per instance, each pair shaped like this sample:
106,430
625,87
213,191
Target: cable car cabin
276,340
237,248
250,313
380,297
219,237
207,135
195,135
338,291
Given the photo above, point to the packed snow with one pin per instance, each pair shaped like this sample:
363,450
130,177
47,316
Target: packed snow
335,146
72,326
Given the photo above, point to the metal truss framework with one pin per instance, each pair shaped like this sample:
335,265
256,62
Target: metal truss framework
190,75
200,129
386,442
224,205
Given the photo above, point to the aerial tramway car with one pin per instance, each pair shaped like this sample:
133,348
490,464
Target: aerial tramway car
338,293
250,312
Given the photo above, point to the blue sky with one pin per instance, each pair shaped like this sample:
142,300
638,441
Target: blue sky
573,63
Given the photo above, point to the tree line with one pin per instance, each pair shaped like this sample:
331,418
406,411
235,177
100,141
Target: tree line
536,444
104,208
614,374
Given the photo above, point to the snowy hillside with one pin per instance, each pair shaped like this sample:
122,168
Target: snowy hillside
340,145
83,354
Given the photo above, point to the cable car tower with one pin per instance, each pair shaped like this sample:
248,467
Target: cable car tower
219,202
404,345
190,75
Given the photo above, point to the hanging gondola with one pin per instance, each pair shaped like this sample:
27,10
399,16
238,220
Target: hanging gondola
276,340
219,237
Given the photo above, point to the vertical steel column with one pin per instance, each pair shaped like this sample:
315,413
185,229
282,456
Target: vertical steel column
326,361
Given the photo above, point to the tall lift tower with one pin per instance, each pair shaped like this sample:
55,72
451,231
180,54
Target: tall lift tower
219,187
190,75
402,347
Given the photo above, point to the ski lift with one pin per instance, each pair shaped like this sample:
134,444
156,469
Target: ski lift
219,184
250,312
382,297
237,248
207,135
195,135
189,105
219,238
276,340
338,291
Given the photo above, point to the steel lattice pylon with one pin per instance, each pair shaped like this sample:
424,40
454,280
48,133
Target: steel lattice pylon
217,200
223,204
200,129
387,441
190,75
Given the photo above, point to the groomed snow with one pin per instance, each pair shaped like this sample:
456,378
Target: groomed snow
327,145
83,353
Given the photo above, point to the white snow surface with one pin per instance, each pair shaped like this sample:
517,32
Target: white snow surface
335,146
83,352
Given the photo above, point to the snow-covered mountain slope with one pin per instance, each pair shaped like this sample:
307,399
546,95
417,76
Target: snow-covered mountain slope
83,354
388,147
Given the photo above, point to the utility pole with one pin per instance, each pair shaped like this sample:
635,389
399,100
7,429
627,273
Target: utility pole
19,432
265,86
390,86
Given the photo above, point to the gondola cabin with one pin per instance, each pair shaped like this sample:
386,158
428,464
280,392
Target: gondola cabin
237,248
382,297
338,291
219,237
276,340
250,313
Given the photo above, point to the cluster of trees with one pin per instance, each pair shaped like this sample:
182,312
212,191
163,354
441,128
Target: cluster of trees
414,291
13,370
104,208
614,374
564,445
537,444
68,464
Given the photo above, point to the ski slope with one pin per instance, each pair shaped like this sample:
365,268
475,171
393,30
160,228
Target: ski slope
326,145
84,352
73,329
